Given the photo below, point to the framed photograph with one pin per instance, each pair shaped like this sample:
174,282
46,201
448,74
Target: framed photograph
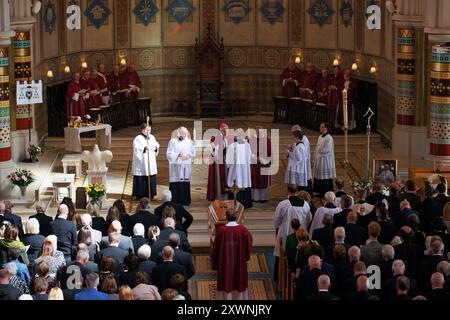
385,171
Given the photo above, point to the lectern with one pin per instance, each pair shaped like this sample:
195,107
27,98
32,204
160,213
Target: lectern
217,216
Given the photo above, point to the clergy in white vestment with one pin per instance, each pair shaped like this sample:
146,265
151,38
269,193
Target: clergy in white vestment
329,209
286,211
307,145
181,154
145,151
297,171
324,163
238,159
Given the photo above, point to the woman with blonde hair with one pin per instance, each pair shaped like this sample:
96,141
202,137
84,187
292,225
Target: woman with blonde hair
33,239
153,234
54,258
125,293
55,294
98,222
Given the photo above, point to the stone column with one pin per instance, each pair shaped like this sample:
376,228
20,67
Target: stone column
22,72
440,102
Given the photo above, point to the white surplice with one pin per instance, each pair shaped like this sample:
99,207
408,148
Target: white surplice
317,222
140,159
297,170
324,164
238,159
308,157
284,214
180,170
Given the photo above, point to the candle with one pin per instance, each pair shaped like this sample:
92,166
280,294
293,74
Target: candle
345,99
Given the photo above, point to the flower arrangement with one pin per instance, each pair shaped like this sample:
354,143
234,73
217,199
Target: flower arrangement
95,191
21,178
362,185
34,152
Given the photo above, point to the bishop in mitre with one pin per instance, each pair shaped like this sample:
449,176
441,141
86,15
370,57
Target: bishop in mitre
145,151
238,160
181,154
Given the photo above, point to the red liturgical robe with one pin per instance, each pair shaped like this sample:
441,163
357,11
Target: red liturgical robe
217,176
231,251
95,95
114,86
87,98
290,89
308,84
78,108
102,83
130,79
323,91
337,82
260,181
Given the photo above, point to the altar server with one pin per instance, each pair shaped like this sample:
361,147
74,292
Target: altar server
324,164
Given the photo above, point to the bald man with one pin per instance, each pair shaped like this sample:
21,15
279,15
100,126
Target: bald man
114,83
323,286
181,154
131,82
290,80
437,292
125,243
323,88
75,98
162,274
65,231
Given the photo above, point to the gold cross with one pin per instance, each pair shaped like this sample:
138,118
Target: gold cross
234,190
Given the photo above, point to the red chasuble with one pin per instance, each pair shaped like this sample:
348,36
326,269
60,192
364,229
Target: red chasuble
95,96
211,193
114,86
261,181
290,89
338,82
131,79
323,91
231,251
78,107
308,82
87,101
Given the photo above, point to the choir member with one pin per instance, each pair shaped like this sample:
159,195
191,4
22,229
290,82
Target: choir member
181,153
290,80
308,82
75,98
260,169
131,82
145,151
96,98
238,159
84,83
324,164
103,84
337,81
217,173
114,80
323,88
297,171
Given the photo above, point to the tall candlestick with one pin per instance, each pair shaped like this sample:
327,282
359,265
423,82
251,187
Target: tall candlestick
345,105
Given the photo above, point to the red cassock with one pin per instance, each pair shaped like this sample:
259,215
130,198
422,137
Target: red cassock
102,82
352,99
78,107
230,252
290,89
131,79
308,81
87,101
114,86
323,91
95,96
260,181
334,94
211,193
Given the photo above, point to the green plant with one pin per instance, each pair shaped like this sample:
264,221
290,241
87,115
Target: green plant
34,151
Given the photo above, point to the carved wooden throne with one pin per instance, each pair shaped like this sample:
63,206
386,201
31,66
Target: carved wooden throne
209,55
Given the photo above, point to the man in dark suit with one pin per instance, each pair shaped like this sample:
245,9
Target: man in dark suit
339,239
428,265
144,253
117,253
325,236
340,219
355,235
163,273
169,228
181,214
125,242
387,226
6,214
376,197
307,281
181,257
402,284
401,217
429,209
441,196
65,231
362,289
411,193
371,251
45,228
144,216
388,255
389,287
323,286
79,265
437,292
409,252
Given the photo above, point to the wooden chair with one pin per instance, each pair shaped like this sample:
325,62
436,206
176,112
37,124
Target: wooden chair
280,109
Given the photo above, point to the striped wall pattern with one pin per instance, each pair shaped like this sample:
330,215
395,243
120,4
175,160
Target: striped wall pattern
22,72
5,137
406,77
440,101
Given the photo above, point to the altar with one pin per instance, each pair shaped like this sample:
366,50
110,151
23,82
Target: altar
217,215
73,140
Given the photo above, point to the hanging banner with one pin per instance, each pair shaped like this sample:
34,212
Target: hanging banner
29,93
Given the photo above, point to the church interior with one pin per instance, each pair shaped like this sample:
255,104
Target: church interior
209,62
